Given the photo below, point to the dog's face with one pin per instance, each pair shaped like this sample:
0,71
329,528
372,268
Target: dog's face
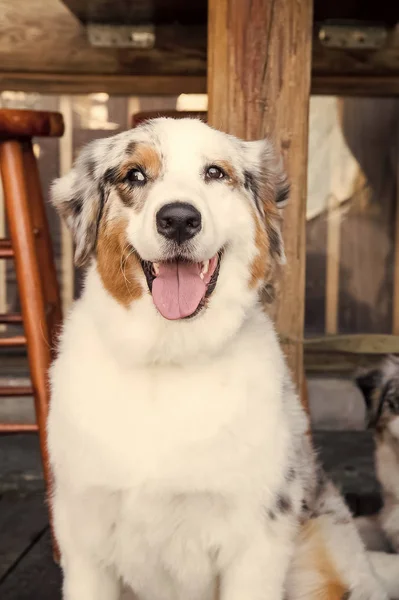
176,214
380,389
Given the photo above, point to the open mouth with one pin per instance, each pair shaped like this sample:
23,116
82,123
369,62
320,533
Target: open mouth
180,288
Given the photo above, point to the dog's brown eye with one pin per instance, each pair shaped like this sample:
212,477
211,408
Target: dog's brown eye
136,177
214,172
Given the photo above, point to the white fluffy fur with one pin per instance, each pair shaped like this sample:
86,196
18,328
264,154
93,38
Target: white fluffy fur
177,452
171,441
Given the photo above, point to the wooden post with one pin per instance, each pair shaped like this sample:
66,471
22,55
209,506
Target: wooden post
332,264
3,264
44,247
259,63
27,267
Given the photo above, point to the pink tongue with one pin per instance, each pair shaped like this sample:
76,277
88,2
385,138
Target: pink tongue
178,289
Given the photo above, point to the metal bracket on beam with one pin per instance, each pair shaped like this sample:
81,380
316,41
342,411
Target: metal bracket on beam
352,35
121,36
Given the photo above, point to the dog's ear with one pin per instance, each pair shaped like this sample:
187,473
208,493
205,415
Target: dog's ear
267,168
266,180
390,369
79,198
380,389
391,396
369,383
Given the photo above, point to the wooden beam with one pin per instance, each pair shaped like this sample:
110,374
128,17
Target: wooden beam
78,83
343,354
346,61
143,11
338,363
259,86
164,85
368,84
358,343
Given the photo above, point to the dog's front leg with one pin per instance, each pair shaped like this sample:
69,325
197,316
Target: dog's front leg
83,580
84,576
258,571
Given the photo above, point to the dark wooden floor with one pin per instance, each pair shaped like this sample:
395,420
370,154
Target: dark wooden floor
27,571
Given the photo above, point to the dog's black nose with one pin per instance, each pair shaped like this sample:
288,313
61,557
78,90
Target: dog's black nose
178,221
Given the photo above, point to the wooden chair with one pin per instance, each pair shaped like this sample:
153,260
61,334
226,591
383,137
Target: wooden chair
31,249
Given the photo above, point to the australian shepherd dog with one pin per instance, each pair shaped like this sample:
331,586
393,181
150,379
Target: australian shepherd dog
179,447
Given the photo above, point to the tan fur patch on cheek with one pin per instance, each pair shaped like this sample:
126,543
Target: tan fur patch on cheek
119,269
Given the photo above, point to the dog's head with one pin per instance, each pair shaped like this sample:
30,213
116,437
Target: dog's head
176,214
380,389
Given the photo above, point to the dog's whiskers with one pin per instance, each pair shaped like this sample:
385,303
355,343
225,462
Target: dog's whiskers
123,264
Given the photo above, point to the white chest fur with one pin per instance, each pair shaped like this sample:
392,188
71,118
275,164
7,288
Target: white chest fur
180,458
198,426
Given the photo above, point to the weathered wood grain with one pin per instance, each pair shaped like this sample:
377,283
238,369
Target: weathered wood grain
329,61
369,84
346,353
259,57
43,36
337,363
126,11
78,83
355,344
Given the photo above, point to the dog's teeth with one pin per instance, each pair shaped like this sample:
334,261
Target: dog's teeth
205,267
156,268
202,275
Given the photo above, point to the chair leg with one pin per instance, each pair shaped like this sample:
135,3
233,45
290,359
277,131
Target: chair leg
30,289
44,246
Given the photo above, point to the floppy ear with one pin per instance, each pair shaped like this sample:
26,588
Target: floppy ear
391,396
79,198
369,383
266,180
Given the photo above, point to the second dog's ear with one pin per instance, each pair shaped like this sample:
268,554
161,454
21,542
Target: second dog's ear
369,383
79,197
